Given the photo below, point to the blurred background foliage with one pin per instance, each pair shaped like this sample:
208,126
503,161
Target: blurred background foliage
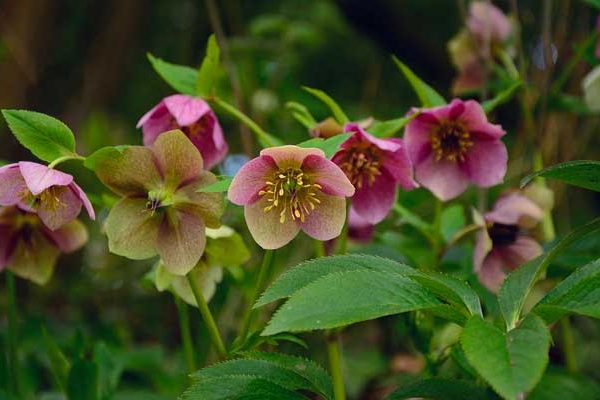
84,62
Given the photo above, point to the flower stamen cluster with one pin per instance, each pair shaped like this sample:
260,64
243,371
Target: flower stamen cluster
362,163
451,141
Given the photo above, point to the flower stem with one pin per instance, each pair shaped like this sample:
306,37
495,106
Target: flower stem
334,354
319,248
186,335
568,345
13,361
213,330
258,286
65,158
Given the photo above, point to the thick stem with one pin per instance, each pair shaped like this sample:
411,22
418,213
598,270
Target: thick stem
13,362
186,335
263,273
334,354
213,330
568,345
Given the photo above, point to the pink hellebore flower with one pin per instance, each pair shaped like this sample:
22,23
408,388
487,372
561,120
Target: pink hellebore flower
503,243
359,229
287,189
487,23
453,145
30,249
161,211
195,118
375,167
52,194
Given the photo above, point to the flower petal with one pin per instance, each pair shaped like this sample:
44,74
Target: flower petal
155,122
178,158
443,178
477,123
398,165
515,209
210,141
186,109
417,136
207,206
327,174
181,241
483,246
492,274
290,156
132,229
64,207
13,185
70,237
374,202
39,177
485,163
34,259
84,200
206,277
521,251
326,221
265,227
360,135
359,229
250,179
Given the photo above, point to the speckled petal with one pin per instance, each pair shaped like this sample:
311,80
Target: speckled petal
250,179
64,207
178,159
326,221
181,241
290,156
265,227
13,185
327,174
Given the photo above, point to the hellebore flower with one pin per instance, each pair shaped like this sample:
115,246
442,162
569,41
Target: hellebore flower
487,23
359,229
30,249
453,145
504,243
52,194
329,127
224,248
287,189
195,118
161,212
375,167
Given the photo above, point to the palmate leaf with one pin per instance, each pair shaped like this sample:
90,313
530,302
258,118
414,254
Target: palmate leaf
582,173
441,389
513,362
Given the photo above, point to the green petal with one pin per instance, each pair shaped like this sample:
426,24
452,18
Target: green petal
206,278
132,171
163,278
265,227
226,251
208,206
181,241
132,229
34,259
179,160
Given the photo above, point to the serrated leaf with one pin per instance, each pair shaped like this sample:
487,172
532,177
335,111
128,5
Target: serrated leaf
222,185
180,77
512,363
329,146
501,98
336,110
560,385
582,173
427,95
579,293
83,381
457,293
239,388
103,154
209,69
46,137
389,128
519,283
342,299
441,389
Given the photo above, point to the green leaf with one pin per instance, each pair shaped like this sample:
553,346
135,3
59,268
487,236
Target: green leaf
59,364
342,299
239,387
501,98
452,220
441,389
512,363
210,68
594,3
301,114
451,290
427,95
389,128
579,293
83,381
104,153
560,385
46,137
519,283
336,110
222,185
329,146
226,251
180,77
582,173
110,368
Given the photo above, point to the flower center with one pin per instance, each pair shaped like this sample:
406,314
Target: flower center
158,199
362,164
290,193
451,141
195,130
502,234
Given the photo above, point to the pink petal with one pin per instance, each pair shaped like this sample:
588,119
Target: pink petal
417,136
360,135
326,221
492,274
524,249
515,209
265,228
477,123
483,245
13,186
186,109
443,178
328,175
6,233
374,202
70,237
250,179
181,242
359,229
398,165
155,122
84,200
63,208
210,141
290,156
487,22
485,163
39,177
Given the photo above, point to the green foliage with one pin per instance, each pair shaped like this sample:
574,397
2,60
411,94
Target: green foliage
301,114
336,110
452,220
83,381
513,362
222,185
329,146
441,389
502,97
209,69
46,137
104,153
427,95
180,77
59,364
389,128
560,385
582,173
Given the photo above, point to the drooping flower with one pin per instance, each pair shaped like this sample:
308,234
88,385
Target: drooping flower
52,194
487,23
195,118
504,241
224,248
376,167
287,189
453,145
160,212
30,249
465,57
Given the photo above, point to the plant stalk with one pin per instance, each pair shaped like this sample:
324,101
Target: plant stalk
334,354
263,273
568,345
186,335
13,361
